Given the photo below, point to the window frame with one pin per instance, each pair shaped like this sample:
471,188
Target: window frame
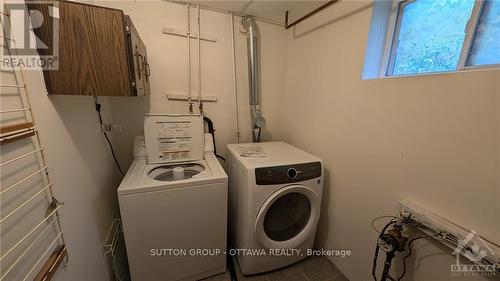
394,28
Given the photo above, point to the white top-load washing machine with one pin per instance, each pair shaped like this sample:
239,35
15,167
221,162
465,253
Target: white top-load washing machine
173,202
275,201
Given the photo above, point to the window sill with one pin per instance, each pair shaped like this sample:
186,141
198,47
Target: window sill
494,67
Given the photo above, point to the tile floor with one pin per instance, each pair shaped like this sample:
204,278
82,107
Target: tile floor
311,269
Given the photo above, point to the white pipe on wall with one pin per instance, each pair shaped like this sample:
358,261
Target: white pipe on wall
235,85
200,101
188,33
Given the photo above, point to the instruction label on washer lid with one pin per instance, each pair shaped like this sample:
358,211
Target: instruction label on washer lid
174,140
252,151
173,129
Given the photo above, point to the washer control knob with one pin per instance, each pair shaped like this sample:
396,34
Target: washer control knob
291,173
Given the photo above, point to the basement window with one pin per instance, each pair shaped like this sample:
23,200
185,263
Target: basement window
485,49
422,36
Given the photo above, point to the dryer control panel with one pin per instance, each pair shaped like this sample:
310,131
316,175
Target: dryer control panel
287,173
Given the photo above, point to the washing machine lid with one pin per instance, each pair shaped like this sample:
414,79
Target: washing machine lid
266,154
172,138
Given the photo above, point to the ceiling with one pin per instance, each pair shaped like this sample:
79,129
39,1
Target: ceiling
273,10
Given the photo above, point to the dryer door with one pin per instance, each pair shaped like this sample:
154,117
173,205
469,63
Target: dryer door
288,217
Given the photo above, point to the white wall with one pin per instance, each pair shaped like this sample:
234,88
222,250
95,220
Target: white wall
168,58
431,139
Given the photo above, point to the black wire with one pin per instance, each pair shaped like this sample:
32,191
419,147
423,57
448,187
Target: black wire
211,130
453,239
375,256
407,222
377,218
447,237
231,267
374,265
98,109
409,254
258,136
113,153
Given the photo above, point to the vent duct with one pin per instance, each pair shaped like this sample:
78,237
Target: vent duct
250,28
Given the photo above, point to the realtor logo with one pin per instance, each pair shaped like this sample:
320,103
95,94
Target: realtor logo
475,250
31,35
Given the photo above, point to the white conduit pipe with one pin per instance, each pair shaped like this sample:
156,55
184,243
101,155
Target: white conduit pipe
235,86
200,101
188,33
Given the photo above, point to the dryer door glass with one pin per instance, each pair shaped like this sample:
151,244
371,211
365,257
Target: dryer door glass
287,216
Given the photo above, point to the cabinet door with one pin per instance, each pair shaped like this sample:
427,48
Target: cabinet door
137,59
92,51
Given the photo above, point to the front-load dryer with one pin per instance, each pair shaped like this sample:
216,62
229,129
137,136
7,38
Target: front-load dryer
275,201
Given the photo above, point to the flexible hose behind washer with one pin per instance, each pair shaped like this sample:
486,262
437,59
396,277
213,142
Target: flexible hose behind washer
211,130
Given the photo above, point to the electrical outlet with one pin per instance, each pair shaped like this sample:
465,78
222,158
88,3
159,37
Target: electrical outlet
111,128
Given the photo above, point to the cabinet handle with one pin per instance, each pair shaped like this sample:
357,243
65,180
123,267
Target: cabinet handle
139,59
147,70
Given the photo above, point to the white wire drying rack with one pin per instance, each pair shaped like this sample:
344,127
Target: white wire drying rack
48,262
115,256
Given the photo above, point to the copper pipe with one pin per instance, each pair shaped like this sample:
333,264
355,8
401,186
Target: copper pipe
311,13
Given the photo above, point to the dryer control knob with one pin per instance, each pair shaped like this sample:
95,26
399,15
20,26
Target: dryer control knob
291,173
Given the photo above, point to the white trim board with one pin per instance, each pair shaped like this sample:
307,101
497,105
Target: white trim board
192,35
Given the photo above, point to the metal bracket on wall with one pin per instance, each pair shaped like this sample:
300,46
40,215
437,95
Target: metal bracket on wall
182,97
182,33
311,13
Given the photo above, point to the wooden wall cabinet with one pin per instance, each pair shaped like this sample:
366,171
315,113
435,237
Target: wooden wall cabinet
100,51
